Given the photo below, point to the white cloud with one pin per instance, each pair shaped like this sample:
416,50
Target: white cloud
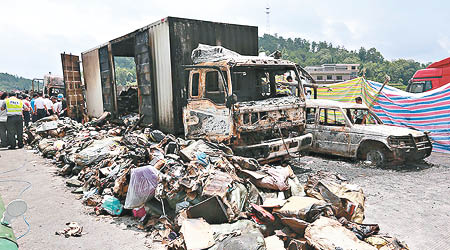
444,42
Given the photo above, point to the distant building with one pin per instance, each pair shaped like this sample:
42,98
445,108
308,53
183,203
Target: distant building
332,73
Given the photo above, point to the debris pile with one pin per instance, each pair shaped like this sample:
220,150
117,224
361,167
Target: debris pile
194,194
72,230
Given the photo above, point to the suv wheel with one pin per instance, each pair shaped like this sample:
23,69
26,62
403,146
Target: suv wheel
376,156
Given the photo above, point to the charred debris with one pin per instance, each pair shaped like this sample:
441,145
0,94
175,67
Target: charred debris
196,194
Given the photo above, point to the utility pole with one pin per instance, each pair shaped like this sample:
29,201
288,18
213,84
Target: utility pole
268,19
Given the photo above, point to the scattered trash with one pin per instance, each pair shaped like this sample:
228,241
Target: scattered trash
329,234
212,210
142,186
273,243
112,205
384,242
195,194
197,234
72,230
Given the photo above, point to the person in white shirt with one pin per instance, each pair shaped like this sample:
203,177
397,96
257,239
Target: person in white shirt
3,119
40,110
57,106
49,104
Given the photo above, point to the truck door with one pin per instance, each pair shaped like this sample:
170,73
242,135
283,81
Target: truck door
205,114
74,88
143,66
333,134
106,78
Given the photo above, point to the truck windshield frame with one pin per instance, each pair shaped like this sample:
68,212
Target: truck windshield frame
419,86
255,83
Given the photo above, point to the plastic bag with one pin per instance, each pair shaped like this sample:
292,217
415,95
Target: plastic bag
112,205
142,186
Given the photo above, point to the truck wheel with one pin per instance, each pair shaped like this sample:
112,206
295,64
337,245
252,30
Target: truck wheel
377,156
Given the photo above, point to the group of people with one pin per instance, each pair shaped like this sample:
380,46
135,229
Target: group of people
43,106
17,110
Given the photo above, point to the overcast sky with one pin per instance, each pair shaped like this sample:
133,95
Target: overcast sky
35,32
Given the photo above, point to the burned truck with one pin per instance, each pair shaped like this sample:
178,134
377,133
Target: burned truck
246,102
238,100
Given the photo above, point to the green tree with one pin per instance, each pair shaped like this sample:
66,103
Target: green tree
309,53
10,82
125,70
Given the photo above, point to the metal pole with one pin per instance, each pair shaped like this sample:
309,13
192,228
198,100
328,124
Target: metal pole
379,91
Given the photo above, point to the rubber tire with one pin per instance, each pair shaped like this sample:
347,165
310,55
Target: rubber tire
377,156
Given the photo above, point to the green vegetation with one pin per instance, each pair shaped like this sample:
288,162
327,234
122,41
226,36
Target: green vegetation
125,70
10,82
307,53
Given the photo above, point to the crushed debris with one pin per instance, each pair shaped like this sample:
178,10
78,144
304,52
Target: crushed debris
194,194
72,230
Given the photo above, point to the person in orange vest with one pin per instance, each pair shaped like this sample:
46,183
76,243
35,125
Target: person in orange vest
14,124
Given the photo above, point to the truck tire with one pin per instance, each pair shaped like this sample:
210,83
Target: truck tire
377,156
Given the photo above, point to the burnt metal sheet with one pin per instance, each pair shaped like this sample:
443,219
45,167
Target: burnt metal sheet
143,74
202,118
106,80
211,209
187,34
92,83
75,95
162,75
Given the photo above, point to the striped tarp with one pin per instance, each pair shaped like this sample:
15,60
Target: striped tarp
429,111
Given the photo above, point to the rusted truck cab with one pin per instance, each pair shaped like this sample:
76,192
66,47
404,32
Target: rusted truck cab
254,104
53,85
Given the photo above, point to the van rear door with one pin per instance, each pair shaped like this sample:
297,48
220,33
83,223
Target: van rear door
76,106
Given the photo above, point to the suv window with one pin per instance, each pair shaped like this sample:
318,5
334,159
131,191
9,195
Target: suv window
331,117
362,116
214,87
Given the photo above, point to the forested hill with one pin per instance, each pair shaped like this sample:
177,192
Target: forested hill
10,82
307,53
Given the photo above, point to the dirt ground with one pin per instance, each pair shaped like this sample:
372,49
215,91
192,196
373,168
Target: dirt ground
410,202
51,205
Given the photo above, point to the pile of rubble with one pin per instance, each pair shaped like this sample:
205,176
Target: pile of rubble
194,194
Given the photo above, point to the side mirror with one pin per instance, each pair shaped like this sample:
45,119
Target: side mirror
231,100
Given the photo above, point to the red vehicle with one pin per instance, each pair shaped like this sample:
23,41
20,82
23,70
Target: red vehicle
433,77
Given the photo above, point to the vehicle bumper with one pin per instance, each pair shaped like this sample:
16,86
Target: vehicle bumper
411,154
274,149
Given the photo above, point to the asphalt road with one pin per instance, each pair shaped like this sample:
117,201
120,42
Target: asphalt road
410,202
52,205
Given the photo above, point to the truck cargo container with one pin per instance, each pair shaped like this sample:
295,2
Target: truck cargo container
159,50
